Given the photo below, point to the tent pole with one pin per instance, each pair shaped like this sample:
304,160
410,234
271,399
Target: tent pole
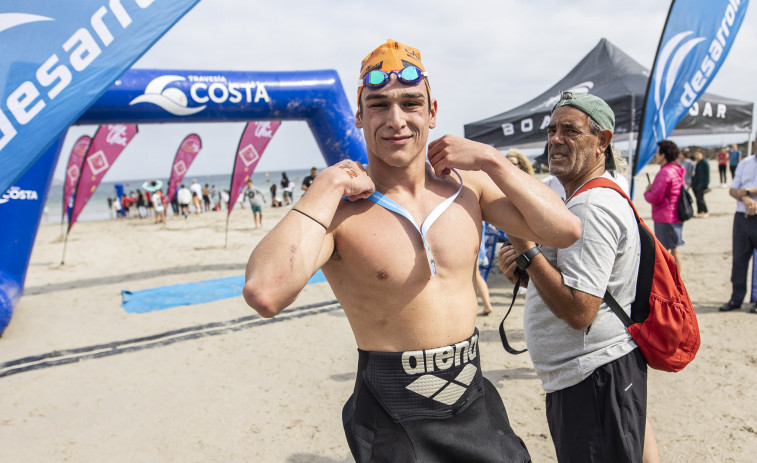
632,147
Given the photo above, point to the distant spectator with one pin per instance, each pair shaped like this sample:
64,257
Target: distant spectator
285,190
206,198
309,179
148,201
159,204
196,203
117,207
519,159
214,198
734,158
196,188
275,199
663,194
175,202
141,205
125,204
723,160
185,199
255,197
700,182
688,167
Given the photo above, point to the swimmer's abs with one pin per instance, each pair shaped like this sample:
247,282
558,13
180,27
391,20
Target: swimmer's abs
410,329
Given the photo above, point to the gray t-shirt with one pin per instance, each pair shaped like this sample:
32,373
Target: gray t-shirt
605,257
254,196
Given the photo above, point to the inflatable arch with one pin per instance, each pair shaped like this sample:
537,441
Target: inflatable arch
154,96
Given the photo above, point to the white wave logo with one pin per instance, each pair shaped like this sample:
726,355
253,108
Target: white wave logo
583,87
170,99
8,20
672,56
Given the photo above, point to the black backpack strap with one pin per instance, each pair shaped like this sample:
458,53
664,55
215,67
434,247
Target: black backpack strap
502,334
615,307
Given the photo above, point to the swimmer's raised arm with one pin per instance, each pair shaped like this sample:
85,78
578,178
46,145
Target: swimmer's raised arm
510,199
285,259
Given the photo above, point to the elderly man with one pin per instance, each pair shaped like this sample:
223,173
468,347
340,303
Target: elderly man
594,374
399,254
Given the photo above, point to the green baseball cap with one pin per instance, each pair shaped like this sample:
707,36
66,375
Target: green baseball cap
598,110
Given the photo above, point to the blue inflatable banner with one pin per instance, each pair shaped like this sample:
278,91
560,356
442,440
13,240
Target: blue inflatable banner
697,37
21,209
60,56
143,96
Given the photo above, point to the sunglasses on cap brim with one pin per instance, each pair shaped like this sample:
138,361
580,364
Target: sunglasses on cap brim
410,75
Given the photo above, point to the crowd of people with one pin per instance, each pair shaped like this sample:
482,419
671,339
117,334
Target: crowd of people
196,199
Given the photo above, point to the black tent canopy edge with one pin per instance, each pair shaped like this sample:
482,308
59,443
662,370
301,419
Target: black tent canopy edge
611,74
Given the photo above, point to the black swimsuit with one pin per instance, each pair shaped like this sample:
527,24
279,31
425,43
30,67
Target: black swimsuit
431,405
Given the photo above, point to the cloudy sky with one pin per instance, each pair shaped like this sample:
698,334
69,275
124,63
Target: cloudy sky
484,57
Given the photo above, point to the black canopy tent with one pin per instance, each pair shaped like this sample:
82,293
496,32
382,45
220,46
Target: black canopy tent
612,75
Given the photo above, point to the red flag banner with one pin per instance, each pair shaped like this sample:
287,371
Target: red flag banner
187,153
73,170
255,138
108,143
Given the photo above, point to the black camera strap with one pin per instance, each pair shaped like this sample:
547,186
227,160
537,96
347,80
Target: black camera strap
509,349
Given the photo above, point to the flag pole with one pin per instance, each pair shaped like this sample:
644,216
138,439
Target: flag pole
644,104
226,242
231,183
65,242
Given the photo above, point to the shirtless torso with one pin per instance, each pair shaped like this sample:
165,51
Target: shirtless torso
380,273
373,258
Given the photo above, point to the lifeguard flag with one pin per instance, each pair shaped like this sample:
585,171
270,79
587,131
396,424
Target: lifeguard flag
255,138
58,57
187,152
697,37
108,143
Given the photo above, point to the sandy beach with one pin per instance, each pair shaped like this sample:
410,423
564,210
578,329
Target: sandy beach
212,382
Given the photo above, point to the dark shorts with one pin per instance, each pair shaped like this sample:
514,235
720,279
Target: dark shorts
670,235
257,209
602,418
428,406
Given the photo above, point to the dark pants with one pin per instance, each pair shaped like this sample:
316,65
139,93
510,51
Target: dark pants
733,170
602,418
744,244
723,171
701,205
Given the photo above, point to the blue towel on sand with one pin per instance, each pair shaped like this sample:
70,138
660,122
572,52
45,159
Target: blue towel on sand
199,292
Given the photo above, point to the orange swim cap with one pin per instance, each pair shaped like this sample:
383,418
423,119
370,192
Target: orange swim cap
391,56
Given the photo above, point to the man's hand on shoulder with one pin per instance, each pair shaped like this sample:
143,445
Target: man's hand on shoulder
452,152
348,175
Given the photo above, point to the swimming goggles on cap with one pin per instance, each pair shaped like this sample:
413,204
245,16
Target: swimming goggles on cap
377,78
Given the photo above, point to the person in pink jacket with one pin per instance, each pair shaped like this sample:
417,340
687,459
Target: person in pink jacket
663,195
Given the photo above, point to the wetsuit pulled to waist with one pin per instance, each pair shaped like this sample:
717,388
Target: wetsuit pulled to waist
428,383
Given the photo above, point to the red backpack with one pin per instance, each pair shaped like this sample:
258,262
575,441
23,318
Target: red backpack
663,321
